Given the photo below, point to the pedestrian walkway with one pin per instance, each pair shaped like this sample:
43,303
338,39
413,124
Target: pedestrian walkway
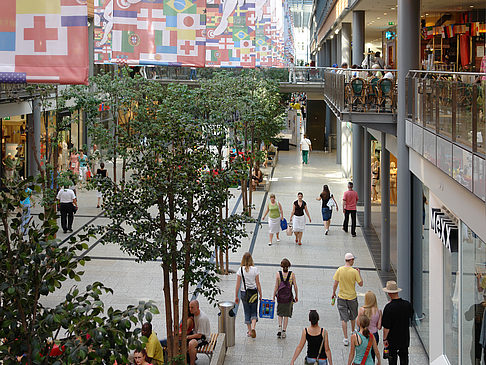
313,263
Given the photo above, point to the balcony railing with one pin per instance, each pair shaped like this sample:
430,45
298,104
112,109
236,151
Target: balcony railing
361,90
447,124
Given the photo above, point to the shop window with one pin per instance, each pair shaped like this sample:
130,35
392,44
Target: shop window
451,306
13,146
473,286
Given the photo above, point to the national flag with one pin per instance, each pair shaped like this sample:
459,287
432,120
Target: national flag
44,41
475,29
449,30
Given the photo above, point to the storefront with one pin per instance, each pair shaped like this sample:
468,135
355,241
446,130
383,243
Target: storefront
13,143
376,174
455,258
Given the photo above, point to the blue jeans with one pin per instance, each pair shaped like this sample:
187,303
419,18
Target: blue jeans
251,310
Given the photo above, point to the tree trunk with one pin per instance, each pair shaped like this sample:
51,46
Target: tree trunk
226,271
251,169
167,296
187,263
175,280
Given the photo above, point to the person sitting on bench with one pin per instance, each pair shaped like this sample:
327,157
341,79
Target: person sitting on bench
256,178
202,330
155,354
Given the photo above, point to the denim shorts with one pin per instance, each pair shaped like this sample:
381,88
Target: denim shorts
313,361
251,310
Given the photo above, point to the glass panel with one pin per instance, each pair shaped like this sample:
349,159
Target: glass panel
408,133
418,139
464,114
444,151
481,133
444,93
473,291
421,305
479,177
462,166
451,306
430,146
430,106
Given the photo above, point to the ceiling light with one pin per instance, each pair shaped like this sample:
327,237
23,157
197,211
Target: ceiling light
385,13
426,14
471,6
392,8
378,18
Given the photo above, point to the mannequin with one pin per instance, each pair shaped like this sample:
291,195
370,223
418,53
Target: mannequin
393,183
375,178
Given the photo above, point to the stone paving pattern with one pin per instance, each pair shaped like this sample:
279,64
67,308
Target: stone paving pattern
314,264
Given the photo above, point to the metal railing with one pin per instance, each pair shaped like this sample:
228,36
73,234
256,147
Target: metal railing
361,90
448,125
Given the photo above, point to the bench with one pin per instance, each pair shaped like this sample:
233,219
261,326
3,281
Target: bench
208,349
265,184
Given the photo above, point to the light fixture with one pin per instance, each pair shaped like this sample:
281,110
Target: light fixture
426,14
385,13
471,6
378,18
336,31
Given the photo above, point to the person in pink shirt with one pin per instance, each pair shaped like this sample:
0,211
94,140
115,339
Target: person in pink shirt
350,199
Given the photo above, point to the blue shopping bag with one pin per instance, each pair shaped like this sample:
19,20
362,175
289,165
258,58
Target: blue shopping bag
283,224
267,308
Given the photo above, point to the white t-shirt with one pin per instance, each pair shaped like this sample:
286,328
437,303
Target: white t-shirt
250,277
305,144
66,196
202,325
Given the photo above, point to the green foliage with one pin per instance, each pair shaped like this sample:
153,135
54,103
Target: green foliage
34,266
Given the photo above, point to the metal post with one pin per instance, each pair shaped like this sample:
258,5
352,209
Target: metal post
358,36
346,43
333,50
385,204
367,179
409,40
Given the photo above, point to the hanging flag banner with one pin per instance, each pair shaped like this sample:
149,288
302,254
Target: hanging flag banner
44,41
195,33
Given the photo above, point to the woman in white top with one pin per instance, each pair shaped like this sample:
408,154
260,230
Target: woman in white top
249,290
276,215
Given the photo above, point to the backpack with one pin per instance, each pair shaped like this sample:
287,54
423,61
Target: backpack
284,291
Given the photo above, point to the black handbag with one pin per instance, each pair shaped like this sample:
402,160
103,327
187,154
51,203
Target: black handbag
251,295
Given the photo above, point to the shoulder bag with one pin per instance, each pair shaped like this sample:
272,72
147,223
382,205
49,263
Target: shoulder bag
368,348
311,360
251,295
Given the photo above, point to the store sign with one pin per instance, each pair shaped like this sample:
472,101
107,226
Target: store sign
445,228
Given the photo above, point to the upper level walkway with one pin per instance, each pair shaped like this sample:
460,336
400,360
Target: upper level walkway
313,263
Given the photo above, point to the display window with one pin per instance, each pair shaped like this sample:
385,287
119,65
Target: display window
13,141
376,174
473,335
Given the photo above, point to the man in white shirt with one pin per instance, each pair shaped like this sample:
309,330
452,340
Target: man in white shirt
305,147
292,70
202,330
68,205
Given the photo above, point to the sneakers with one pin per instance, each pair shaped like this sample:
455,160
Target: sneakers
269,243
327,232
278,239
279,333
284,334
353,235
346,342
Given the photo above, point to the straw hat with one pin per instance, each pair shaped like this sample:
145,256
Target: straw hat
391,287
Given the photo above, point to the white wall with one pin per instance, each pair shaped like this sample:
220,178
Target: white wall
464,204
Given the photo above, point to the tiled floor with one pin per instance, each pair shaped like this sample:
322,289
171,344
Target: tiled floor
314,264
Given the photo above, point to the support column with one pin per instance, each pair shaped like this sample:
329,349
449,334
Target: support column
33,135
358,36
367,179
87,137
336,121
346,43
328,54
327,63
385,204
407,58
337,37
333,50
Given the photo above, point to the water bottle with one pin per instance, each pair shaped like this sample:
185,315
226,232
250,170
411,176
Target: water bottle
333,300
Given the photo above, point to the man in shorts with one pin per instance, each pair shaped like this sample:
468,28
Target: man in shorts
346,277
202,330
